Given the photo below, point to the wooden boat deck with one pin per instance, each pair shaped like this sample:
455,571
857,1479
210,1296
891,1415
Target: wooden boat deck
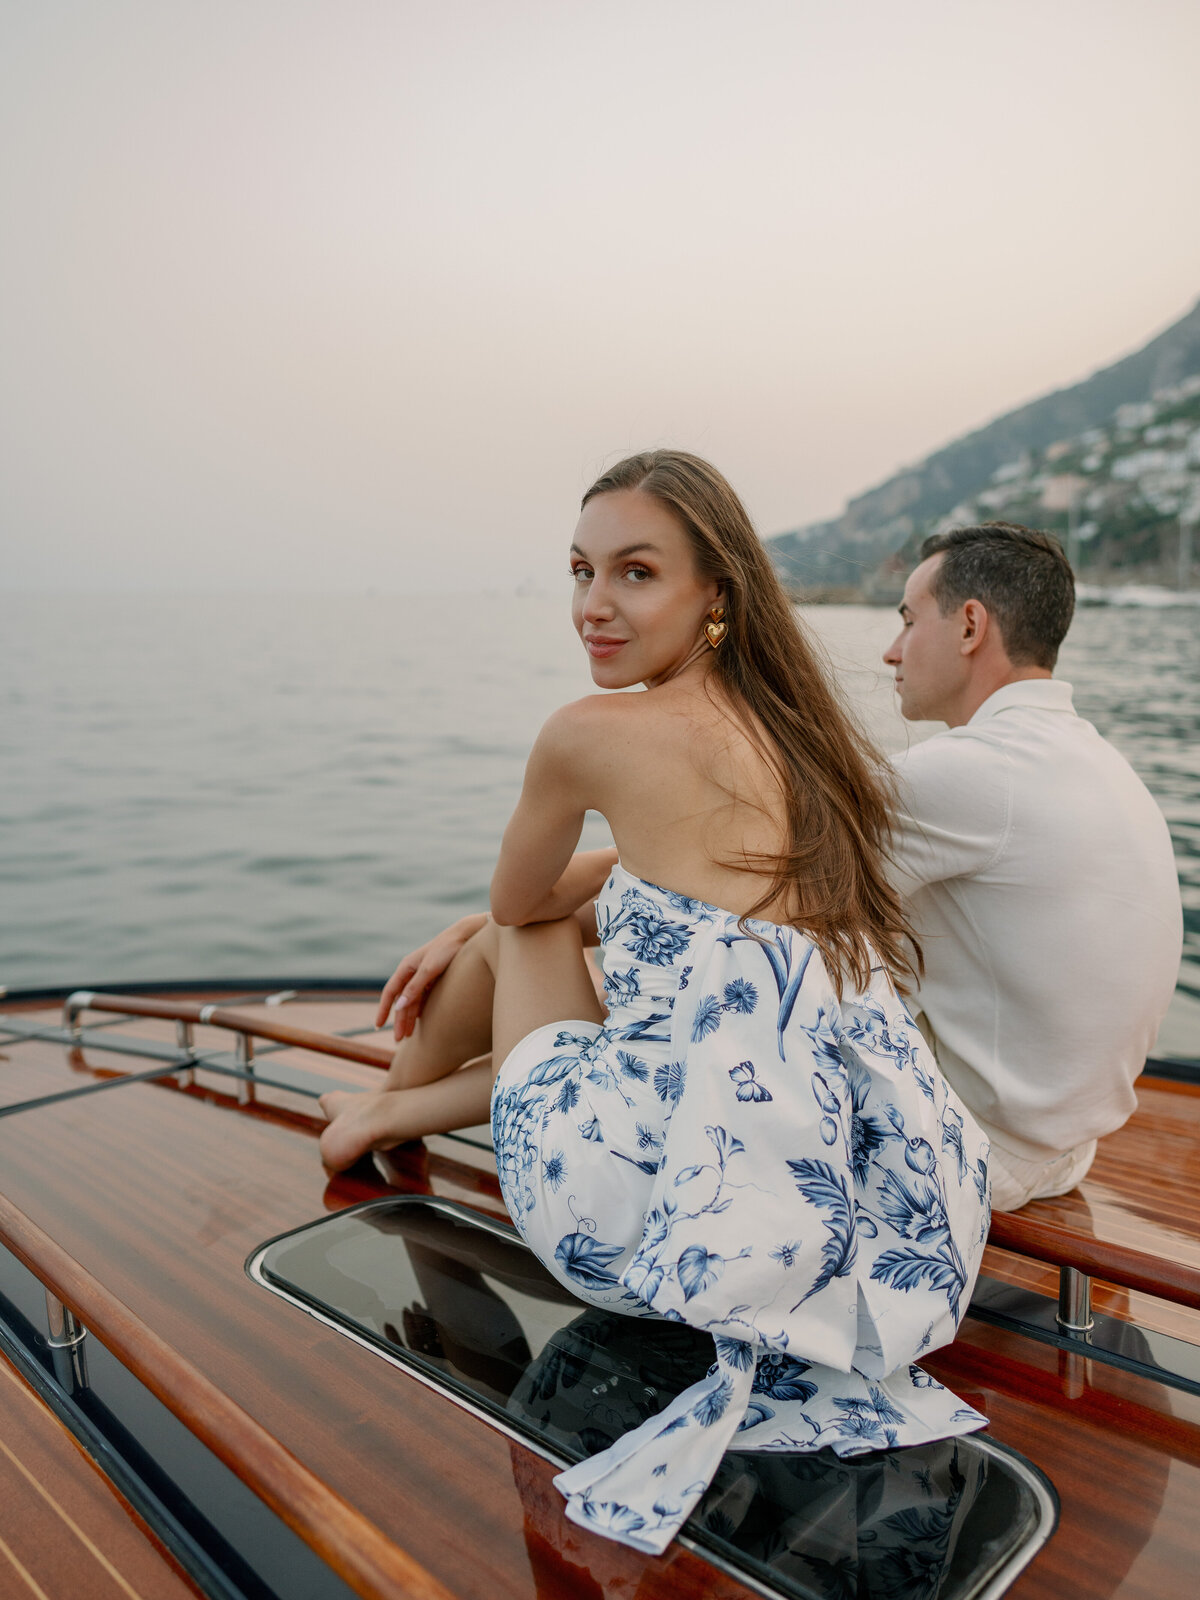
162,1192
64,1530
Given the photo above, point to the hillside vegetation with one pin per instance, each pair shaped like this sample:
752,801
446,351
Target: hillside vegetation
1112,464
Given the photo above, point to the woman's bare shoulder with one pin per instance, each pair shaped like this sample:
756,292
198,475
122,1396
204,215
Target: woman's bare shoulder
595,713
591,733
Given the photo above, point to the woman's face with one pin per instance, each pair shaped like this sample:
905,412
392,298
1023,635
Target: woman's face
639,603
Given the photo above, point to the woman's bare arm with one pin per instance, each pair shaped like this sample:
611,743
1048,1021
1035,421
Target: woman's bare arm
580,883
408,987
535,878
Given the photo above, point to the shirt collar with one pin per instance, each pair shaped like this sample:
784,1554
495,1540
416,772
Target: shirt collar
1040,694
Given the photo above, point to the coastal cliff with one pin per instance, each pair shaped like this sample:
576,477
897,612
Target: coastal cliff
1112,464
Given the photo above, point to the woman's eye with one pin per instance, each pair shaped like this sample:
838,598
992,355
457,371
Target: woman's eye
581,574
638,574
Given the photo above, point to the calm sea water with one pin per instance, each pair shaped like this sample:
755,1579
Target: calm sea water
303,787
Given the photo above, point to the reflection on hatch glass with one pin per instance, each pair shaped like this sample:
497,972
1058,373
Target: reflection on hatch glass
435,1287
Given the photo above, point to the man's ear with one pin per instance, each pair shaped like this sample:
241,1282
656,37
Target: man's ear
975,621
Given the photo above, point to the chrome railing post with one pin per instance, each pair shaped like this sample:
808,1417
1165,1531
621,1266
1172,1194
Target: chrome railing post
246,1091
66,1340
73,1005
1074,1301
185,1038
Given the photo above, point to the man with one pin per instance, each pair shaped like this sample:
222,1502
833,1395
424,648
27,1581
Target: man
1037,869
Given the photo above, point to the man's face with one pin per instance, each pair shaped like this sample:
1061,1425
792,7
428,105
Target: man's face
931,668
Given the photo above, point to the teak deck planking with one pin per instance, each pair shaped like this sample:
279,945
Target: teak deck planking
64,1529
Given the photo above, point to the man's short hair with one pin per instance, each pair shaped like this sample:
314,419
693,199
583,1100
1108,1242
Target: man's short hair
1019,574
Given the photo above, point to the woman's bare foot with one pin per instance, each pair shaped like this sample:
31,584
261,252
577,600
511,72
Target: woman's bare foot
360,1122
380,1118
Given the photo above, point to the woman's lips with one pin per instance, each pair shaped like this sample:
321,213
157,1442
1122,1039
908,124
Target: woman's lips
598,647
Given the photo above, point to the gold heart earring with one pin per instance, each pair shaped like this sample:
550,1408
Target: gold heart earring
715,630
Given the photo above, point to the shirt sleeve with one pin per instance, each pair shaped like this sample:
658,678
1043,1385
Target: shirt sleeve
954,810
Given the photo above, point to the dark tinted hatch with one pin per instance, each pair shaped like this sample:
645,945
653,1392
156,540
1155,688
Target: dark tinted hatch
462,1302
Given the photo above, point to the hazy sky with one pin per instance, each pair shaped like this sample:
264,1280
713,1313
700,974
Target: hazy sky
336,294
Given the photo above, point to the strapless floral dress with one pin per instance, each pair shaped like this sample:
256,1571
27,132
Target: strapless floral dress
737,1149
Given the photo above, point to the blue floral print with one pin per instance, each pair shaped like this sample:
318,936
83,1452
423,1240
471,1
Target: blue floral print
642,1159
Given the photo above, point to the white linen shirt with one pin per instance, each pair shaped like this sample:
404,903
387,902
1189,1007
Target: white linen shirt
1040,878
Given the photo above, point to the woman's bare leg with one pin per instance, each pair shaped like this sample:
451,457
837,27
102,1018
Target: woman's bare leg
504,983
542,976
383,1118
421,1092
455,1025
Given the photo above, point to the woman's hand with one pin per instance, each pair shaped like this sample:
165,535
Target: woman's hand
409,986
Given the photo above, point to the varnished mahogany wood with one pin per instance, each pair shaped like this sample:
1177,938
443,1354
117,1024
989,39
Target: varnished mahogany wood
373,1566
64,1529
1064,1246
1109,1300
1135,1219
258,1024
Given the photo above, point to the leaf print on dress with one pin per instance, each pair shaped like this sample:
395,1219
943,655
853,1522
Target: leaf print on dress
567,1095
873,1421
952,1140
711,1407
669,1080
919,1213
646,1164
818,1182
646,1029
698,1270
554,1069
587,1260
632,1067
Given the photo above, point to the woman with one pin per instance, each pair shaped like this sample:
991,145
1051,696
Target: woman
754,1138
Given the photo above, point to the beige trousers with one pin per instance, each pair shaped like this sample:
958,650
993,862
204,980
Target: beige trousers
1015,1181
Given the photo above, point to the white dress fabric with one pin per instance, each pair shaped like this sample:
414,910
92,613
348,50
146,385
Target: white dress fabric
736,1149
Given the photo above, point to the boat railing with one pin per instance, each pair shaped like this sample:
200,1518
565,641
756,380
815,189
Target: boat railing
246,1025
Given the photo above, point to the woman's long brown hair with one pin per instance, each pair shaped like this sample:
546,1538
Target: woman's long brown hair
834,784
